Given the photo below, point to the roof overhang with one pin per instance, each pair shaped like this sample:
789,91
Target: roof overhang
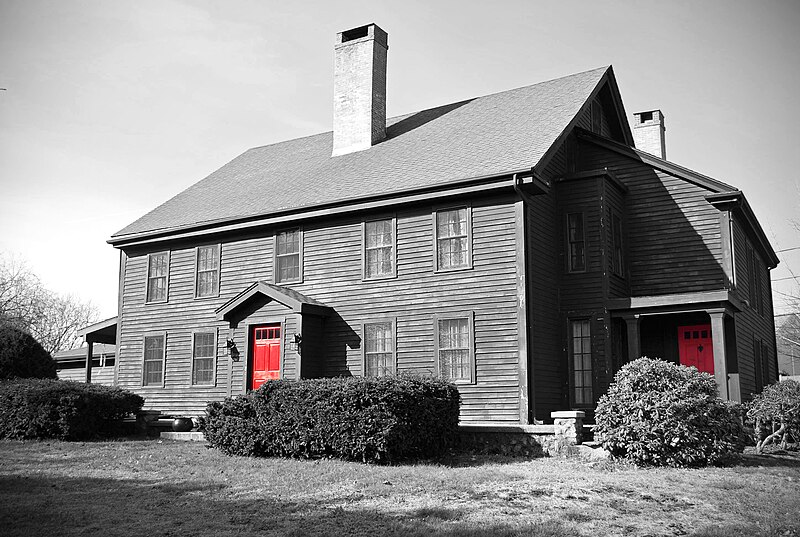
102,332
261,293
736,203
677,303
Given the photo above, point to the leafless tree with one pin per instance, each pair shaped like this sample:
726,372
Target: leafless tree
51,318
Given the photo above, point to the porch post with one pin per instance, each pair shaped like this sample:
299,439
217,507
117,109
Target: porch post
720,360
634,345
89,352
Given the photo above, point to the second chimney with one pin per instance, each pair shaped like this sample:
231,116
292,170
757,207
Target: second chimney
648,133
359,89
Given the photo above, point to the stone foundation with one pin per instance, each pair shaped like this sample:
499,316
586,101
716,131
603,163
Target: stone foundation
526,440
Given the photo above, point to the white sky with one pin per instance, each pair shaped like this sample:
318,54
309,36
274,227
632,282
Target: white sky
113,107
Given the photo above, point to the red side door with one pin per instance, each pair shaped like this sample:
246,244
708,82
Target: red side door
696,347
266,354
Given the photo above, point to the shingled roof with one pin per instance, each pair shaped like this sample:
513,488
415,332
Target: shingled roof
478,137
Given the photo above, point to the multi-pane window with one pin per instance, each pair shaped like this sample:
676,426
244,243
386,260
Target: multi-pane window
379,248
153,368
758,364
581,357
452,239
617,260
287,256
203,353
759,282
378,349
157,274
597,117
751,276
207,271
576,243
455,349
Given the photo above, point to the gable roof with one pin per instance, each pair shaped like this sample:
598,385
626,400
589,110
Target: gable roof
479,137
261,292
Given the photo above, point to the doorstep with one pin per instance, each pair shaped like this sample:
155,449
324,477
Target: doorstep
191,436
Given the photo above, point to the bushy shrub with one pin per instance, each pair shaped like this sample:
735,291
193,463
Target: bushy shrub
365,419
22,356
66,410
662,414
775,414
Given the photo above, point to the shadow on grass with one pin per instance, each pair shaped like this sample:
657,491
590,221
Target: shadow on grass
774,458
37,505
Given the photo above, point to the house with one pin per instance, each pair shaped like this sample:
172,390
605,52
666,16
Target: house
524,245
71,364
787,332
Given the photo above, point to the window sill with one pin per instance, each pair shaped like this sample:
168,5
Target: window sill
208,297
156,301
379,278
454,269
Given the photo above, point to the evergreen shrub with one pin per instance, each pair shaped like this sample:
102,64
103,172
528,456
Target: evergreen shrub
365,419
62,409
22,356
657,413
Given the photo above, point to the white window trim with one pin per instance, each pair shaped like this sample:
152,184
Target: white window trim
197,270
162,334
470,316
147,278
378,320
299,229
469,265
213,382
393,274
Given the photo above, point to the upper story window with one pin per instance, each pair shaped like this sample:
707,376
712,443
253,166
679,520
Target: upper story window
153,363
157,276
597,117
453,230
207,276
203,354
455,352
576,243
379,355
288,256
379,248
617,259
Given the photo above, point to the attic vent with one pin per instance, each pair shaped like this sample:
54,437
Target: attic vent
355,33
646,116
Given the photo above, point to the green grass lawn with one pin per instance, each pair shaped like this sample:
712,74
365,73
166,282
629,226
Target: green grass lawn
171,488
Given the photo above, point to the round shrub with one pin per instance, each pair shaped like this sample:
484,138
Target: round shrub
62,409
22,356
661,414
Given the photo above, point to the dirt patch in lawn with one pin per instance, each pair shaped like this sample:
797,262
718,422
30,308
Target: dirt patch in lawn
172,488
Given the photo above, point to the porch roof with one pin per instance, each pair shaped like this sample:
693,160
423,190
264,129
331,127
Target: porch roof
676,303
101,332
262,292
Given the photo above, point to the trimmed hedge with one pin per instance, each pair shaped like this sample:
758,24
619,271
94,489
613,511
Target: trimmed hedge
364,419
22,356
62,409
657,413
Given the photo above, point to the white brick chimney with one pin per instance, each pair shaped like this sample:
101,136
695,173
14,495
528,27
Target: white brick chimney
359,89
648,132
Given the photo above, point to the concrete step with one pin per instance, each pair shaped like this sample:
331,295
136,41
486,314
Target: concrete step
191,436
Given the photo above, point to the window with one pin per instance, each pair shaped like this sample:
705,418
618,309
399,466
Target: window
617,260
597,117
751,276
203,354
576,243
758,365
157,276
153,367
207,277
454,349
581,359
759,287
765,361
379,248
288,259
452,232
379,349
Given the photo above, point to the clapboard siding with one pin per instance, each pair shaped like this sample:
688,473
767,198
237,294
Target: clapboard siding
332,274
750,324
673,232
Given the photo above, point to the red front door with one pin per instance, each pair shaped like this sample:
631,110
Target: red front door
266,354
696,347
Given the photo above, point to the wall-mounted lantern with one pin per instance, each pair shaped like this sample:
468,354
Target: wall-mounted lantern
232,349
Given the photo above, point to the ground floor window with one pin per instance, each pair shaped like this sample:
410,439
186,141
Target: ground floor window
203,353
581,361
455,352
153,368
378,349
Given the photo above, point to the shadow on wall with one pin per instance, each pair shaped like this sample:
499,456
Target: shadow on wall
340,340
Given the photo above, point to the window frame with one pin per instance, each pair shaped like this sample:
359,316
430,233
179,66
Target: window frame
393,274
378,320
469,265
569,243
617,245
470,317
163,336
197,269
214,358
275,256
571,357
596,116
147,298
